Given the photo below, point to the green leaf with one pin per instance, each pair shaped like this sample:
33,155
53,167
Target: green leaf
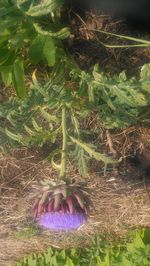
107,258
6,77
42,47
138,241
4,55
4,37
18,78
44,8
20,2
51,157
29,131
6,11
69,262
98,156
36,126
126,262
61,34
36,49
47,116
63,254
81,158
49,51
122,76
17,41
145,71
13,136
99,262
31,261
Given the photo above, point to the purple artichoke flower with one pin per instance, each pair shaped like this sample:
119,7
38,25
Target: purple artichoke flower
62,221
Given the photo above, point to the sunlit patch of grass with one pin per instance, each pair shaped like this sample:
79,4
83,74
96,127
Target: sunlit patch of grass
135,250
26,233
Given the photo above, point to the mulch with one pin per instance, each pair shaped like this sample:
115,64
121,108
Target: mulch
86,43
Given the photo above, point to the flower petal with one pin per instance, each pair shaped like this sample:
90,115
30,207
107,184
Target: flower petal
60,221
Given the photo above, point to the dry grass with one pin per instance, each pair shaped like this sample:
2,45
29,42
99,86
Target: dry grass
120,203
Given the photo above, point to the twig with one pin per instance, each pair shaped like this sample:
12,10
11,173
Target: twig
110,144
113,152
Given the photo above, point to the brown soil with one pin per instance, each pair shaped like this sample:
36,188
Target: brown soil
86,43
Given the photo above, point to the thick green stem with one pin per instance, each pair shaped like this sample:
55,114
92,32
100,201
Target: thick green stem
64,145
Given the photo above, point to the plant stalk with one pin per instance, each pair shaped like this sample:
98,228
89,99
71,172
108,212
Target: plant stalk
64,145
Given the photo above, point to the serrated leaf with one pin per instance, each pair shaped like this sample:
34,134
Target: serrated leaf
61,34
98,156
47,116
51,157
82,161
11,119
29,131
16,137
145,71
44,8
36,126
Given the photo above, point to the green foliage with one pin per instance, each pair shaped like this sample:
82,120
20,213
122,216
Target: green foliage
30,32
91,152
26,233
37,119
42,47
133,251
120,101
44,8
18,78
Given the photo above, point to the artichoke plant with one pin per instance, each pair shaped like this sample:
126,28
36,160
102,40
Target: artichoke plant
59,205
63,198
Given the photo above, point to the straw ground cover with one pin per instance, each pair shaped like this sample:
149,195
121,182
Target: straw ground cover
120,203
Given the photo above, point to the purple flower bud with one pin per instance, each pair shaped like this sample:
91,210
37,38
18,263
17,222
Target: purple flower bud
62,221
